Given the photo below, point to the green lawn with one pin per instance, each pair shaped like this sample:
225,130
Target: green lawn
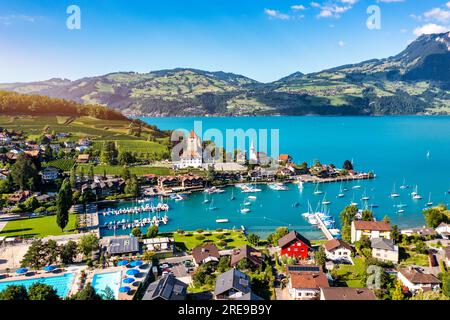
37,227
415,258
352,273
234,239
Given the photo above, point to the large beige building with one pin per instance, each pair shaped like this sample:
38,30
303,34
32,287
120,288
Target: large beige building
371,229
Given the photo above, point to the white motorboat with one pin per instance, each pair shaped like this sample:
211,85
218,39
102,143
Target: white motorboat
221,220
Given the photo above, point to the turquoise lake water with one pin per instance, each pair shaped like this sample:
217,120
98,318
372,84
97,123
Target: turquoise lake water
395,148
62,284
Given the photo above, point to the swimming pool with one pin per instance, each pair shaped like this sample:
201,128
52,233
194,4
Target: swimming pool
62,284
111,279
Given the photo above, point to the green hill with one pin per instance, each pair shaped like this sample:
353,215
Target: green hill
416,81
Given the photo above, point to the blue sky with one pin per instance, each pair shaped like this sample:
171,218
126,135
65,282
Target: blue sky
261,39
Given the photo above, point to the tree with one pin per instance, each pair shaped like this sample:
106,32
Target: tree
152,231
278,234
347,165
68,252
224,264
108,294
125,174
320,257
126,158
132,186
136,232
14,292
395,234
109,153
397,292
253,239
87,244
35,257
436,215
347,216
63,204
91,173
23,172
87,293
367,215
41,291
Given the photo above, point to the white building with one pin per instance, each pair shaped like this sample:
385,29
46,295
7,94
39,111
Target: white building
337,249
192,154
415,279
443,230
371,229
384,249
253,155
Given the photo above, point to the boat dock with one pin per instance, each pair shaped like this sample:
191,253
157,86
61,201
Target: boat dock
313,179
323,228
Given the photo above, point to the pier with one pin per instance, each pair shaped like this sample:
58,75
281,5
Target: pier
323,228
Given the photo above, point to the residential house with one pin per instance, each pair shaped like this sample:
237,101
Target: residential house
337,249
415,279
419,231
294,245
305,282
83,158
169,182
4,175
284,158
254,258
234,285
166,288
50,174
85,142
20,196
69,144
371,229
384,249
443,230
123,245
191,181
205,253
345,293
102,186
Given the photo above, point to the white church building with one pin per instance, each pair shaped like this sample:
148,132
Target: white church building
192,154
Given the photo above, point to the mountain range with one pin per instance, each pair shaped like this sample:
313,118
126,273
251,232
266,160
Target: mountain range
416,81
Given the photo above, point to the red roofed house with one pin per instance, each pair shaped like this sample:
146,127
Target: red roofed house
305,282
294,245
371,229
284,158
337,249
415,280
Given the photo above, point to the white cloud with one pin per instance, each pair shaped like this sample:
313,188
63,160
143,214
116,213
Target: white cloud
333,8
403,30
8,20
341,44
298,7
275,14
438,14
430,28
448,4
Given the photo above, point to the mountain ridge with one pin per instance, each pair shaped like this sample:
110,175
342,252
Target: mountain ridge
415,81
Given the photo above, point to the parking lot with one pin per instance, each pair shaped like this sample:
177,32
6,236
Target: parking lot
178,268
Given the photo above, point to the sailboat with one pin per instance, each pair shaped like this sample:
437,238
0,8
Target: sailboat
341,194
394,194
353,203
205,200
404,185
316,189
365,197
416,195
211,205
429,203
325,201
232,195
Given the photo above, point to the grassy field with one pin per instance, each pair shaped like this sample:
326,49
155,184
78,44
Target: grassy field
37,227
415,258
233,239
351,274
117,170
97,129
63,164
